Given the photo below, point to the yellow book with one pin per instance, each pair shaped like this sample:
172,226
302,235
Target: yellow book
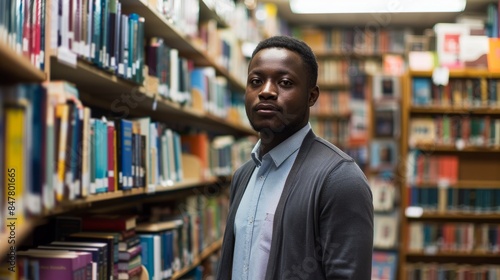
15,164
62,129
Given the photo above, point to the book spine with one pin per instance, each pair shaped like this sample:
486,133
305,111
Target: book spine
110,156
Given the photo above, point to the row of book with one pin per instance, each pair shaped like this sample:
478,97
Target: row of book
22,25
455,200
332,102
168,73
361,40
335,131
431,169
224,47
164,239
333,71
175,78
99,32
59,152
455,130
214,90
443,271
458,93
434,238
184,15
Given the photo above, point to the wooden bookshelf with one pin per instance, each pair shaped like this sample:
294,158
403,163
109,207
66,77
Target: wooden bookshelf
353,54
85,203
157,26
21,232
17,68
333,86
330,116
465,184
453,148
460,73
454,110
101,88
210,250
206,13
454,255
478,168
456,215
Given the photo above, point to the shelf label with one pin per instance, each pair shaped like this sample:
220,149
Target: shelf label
414,212
443,183
460,144
66,56
441,76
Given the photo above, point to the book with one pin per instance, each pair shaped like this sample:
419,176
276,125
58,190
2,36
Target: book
421,91
93,257
109,222
124,148
448,43
494,55
16,119
57,265
384,265
111,150
130,253
386,87
384,194
385,230
104,272
386,120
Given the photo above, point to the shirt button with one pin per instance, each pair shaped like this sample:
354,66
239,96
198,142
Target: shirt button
261,177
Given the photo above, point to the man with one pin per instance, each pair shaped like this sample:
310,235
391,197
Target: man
300,208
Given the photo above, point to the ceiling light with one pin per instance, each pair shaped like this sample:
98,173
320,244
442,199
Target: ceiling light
375,6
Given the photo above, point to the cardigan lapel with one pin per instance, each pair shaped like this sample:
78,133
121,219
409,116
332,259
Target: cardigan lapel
290,183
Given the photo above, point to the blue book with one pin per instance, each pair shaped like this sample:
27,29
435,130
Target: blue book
125,155
133,26
178,156
96,39
422,91
38,98
101,156
147,254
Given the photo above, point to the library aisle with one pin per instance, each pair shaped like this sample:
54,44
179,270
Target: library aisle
122,122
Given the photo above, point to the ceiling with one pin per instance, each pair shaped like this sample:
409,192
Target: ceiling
412,20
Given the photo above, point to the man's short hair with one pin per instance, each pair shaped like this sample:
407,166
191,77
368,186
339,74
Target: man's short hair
297,46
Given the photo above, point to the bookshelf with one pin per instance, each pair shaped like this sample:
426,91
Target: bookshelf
472,174
87,78
101,88
157,26
15,67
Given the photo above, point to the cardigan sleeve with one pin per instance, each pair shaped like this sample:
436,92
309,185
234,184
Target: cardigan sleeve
346,224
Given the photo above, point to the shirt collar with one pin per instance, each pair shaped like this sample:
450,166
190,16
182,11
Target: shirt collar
285,149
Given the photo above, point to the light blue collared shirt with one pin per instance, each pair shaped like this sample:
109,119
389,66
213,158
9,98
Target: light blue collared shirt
253,224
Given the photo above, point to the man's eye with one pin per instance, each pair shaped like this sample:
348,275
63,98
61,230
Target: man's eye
286,83
255,82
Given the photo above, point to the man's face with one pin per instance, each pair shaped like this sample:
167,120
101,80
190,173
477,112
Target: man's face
277,94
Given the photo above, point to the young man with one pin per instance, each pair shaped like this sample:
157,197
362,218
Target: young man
300,208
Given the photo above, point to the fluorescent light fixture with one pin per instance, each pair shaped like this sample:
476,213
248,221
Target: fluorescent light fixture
375,6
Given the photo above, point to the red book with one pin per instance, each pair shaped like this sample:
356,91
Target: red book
109,222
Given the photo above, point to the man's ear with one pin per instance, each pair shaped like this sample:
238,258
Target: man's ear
313,95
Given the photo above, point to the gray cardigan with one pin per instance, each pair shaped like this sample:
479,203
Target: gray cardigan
323,224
